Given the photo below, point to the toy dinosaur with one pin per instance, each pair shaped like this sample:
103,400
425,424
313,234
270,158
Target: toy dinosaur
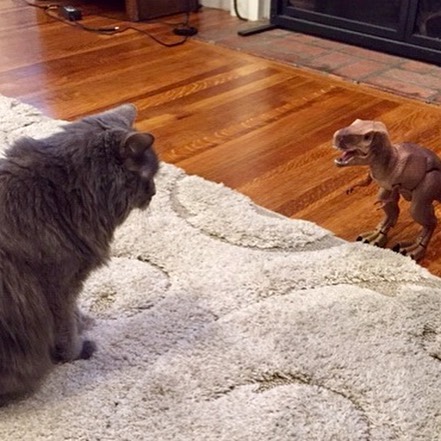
404,169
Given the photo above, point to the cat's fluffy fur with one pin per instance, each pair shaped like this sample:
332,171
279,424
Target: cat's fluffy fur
61,199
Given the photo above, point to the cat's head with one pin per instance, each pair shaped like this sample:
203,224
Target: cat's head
134,150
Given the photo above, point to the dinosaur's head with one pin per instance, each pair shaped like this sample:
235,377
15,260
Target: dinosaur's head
357,142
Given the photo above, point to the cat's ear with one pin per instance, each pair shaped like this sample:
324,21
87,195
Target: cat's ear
125,113
122,116
138,154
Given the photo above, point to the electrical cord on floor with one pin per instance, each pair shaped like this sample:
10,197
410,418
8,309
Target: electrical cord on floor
185,24
52,10
236,11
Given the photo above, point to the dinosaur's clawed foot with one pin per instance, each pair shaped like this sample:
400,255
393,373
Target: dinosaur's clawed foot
376,238
414,250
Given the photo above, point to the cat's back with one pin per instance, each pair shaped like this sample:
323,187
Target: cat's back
31,191
30,167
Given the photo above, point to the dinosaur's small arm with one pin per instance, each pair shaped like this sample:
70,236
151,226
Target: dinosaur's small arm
363,183
405,169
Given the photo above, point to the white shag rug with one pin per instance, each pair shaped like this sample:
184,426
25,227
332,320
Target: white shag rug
217,320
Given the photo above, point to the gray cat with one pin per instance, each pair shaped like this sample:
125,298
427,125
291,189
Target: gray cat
61,199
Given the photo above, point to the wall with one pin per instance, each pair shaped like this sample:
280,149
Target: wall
251,9
218,4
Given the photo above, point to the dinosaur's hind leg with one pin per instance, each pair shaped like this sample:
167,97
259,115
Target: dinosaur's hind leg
417,249
423,213
389,203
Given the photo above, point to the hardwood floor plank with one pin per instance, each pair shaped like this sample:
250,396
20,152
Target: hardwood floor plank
261,151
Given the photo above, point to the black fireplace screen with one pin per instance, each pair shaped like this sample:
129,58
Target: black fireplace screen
428,21
411,28
375,12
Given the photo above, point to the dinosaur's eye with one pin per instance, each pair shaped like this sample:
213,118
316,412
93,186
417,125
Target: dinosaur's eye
367,136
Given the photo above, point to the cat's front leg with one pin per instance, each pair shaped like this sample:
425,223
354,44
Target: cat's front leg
84,321
69,345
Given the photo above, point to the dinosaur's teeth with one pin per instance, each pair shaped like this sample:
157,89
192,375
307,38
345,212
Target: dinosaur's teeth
347,155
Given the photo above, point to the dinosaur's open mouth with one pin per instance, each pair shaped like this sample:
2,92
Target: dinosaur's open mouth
348,156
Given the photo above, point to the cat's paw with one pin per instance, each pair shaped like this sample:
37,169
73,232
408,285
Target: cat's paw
89,347
58,354
83,350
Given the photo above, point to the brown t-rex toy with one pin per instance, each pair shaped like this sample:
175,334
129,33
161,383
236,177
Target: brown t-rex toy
404,169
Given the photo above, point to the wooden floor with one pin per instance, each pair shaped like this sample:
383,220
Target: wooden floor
260,127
